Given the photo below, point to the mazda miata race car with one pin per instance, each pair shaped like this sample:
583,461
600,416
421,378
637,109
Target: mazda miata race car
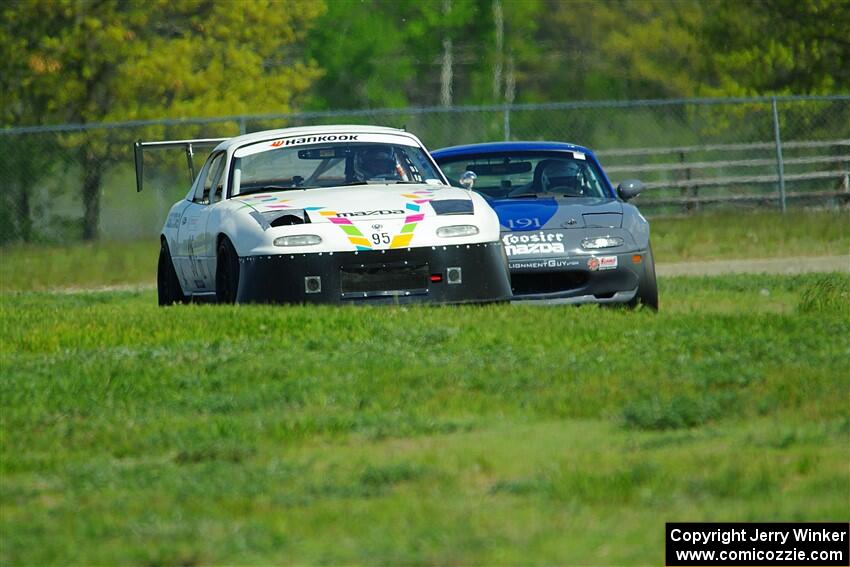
569,237
331,214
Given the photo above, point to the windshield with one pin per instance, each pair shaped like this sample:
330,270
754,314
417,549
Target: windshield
529,174
309,166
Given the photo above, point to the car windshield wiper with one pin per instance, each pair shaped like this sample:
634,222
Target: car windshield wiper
381,182
548,194
265,188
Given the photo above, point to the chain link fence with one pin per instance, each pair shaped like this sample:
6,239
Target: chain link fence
77,181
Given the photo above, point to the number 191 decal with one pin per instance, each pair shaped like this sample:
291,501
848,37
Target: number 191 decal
523,223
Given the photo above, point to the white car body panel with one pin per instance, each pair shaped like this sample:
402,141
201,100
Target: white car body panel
369,218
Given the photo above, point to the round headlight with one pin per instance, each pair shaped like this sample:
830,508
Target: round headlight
597,242
298,240
457,230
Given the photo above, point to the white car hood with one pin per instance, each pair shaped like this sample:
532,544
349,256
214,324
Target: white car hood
358,201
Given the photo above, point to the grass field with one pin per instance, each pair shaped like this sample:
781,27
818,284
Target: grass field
494,435
702,237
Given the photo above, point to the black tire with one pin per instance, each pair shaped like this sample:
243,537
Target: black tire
226,272
168,288
647,293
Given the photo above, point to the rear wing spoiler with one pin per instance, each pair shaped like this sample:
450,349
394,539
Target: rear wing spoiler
188,145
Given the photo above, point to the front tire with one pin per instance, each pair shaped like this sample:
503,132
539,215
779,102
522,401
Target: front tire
168,288
226,272
647,293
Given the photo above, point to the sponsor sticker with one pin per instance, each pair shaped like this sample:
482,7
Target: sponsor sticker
578,155
543,264
265,146
601,263
607,262
315,140
541,242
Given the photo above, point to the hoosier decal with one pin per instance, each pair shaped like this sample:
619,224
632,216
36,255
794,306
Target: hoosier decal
535,243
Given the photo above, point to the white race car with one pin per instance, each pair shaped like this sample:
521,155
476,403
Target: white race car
330,214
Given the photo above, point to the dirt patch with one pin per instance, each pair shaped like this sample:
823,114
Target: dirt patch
794,265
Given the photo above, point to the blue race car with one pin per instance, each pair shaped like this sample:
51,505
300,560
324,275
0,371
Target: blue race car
569,236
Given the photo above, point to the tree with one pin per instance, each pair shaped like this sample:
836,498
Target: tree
105,60
777,47
24,160
362,48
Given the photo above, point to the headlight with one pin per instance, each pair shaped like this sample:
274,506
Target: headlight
298,240
457,230
597,242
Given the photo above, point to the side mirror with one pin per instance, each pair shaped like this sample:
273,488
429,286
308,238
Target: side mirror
629,189
467,180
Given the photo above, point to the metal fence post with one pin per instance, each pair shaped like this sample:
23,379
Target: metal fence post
780,165
507,122
243,128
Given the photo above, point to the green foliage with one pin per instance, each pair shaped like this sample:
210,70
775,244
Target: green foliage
614,49
81,62
107,61
828,294
380,53
361,48
290,434
777,46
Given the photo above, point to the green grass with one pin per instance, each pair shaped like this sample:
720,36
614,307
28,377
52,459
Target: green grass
33,267
491,435
701,237
723,235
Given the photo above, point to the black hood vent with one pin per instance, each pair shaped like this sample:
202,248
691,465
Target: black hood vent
453,207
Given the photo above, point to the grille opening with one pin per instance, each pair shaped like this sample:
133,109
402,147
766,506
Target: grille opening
547,282
384,279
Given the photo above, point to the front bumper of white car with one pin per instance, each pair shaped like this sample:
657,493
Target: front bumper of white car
451,274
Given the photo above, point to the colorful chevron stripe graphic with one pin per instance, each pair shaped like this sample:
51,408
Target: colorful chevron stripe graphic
415,201
356,237
268,201
271,202
413,207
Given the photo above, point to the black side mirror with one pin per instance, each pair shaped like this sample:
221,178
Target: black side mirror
629,189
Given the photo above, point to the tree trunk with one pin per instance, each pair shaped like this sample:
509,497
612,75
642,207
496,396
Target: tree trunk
24,211
92,175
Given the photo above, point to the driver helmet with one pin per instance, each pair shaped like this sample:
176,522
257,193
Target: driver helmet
561,176
375,163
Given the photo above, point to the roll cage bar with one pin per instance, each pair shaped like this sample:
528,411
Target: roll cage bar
188,145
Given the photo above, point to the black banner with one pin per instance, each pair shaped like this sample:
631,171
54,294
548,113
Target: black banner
804,543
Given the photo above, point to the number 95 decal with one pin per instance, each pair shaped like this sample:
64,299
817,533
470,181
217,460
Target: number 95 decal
380,238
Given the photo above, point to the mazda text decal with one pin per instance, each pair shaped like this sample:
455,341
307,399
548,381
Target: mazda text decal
370,213
535,243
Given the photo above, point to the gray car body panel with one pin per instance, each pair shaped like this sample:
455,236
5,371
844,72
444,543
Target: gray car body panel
543,237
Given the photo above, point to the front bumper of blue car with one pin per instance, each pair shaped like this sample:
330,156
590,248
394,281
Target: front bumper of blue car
585,278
